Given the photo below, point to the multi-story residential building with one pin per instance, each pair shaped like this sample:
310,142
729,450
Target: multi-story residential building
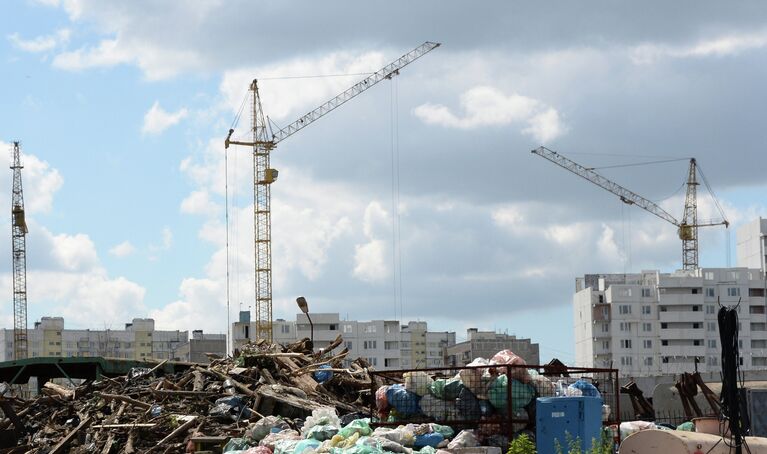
196,350
485,344
383,343
752,245
139,340
653,323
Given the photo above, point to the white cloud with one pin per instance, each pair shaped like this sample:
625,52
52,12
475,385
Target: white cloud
370,258
721,46
123,249
487,106
199,202
157,120
167,238
41,43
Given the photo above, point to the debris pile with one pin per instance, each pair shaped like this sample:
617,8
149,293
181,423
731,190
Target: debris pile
202,408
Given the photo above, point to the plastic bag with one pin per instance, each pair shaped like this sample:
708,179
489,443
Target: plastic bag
236,444
508,357
286,446
570,391
321,376
400,435
437,409
257,431
417,382
322,432
387,445
360,426
428,450
323,416
404,401
258,450
464,439
271,440
432,439
230,408
472,377
302,445
587,389
543,386
521,394
468,405
447,389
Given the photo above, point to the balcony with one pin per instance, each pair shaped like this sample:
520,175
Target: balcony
687,299
683,333
683,350
681,316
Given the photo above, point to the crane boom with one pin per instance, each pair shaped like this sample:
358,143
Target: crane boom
687,228
384,73
625,195
263,175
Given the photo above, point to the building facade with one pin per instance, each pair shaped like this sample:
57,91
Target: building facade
485,344
139,340
383,343
653,323
751,245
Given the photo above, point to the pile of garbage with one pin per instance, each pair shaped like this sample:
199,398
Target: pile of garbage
145,411
325,432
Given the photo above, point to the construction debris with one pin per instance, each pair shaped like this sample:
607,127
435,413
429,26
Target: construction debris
199,409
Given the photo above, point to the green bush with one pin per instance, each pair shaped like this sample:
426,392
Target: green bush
522,445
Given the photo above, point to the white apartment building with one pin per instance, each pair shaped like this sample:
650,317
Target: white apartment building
751,248
653,323
383,343
139,340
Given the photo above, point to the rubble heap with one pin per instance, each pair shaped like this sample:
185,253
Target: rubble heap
148,412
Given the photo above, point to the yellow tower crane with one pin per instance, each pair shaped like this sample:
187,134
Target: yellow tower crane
687,228
262,143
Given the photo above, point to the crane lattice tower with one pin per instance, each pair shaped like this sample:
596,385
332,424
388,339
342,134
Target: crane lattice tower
19,238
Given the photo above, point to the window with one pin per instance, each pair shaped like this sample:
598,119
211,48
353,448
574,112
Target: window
740,344
605,327
624,309
389,362
758,343
696,308
696,342
708,275
758,327
696,325
369,345
756,309
246,330
285,329
664,359
647,327
601,299
712,343
646,292
710,309
710,292
625,326
606,345
370,328
664,342
347,328
625,360
695,291
664,326
333,327
733,291
711,326
646,310
648,361
647,343
625,343
712,360
349,345
373,361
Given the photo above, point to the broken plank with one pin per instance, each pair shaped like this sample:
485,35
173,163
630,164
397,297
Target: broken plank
61,446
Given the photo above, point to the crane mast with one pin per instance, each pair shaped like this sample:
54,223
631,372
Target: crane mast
263,175
687,228
18,233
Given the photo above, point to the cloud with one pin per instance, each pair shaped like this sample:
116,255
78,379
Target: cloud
487,106
123,249
371,259
167,238
199,202
720,46
41,43
157,120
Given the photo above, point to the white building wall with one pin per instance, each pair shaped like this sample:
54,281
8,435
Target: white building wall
751,244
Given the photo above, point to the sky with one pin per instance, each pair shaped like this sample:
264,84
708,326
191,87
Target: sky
417,200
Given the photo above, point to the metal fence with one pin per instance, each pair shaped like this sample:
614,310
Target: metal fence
495,399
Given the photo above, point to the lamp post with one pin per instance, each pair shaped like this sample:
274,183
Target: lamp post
302,304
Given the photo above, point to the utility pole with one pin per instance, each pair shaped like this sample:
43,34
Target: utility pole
19,231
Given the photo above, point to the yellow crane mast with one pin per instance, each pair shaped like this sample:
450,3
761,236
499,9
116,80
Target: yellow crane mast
262,143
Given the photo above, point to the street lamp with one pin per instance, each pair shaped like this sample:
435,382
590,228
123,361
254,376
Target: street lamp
301,301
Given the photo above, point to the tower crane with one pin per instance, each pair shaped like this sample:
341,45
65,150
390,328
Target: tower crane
687,227
262,143
18,233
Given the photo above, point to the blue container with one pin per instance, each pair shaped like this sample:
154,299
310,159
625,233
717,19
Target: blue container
555,417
